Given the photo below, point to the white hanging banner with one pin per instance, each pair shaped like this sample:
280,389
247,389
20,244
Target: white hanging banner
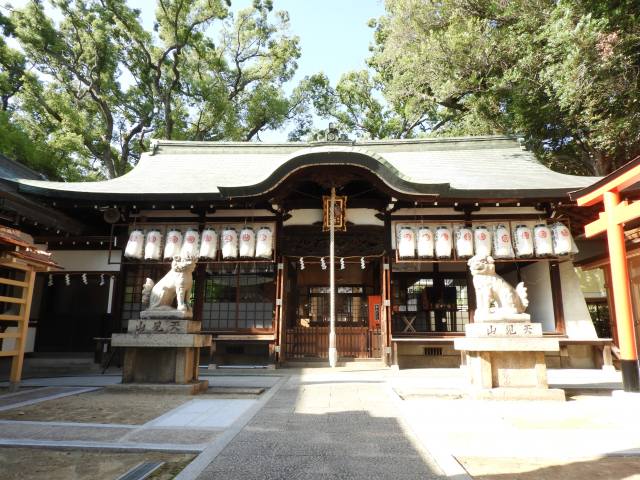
406,243
264,243
190,246
502,242
562,242
443,242
247,243
135,245
425,242
464,242
209,243
524,241
153,246
482,241
229,243
173,243
542,242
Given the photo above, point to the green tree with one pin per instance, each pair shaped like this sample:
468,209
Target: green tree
563,73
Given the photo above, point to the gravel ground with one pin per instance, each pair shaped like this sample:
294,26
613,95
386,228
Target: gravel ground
99,407
82,465
481,468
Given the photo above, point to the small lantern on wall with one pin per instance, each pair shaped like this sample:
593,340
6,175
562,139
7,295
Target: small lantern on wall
443,242
135,245
190,246
464,242
561,235
229,243
524,241
173,243
153,246
209,243
406,243
264,243
425,242
247,243
502,242
482,241
542,240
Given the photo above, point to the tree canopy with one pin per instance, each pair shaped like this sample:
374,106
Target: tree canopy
96,85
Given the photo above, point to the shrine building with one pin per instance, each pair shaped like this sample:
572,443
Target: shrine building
408,215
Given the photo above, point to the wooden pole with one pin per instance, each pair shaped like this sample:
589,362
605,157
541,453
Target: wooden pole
23,329
621,295
333,352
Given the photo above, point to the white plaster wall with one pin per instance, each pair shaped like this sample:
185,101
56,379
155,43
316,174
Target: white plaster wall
87,260
363,216
577,320
538,282
304,216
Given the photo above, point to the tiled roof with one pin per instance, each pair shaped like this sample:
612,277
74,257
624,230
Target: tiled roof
449,167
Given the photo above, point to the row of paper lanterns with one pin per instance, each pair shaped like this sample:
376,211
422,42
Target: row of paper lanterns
524,242
246,244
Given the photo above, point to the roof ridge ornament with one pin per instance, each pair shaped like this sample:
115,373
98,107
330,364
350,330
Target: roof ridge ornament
331,135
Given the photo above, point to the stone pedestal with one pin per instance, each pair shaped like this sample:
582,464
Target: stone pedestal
161,351
505,360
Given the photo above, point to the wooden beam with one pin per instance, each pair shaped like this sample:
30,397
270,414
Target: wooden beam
10,281
10,335
624,212
16,364
616,184
10,353
5,317
12,300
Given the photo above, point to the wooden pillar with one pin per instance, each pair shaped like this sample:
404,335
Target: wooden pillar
556,297
621,295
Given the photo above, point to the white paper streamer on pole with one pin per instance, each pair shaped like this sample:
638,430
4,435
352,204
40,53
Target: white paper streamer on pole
264,243
443,242
190,246
247,243
323,264
362,263
153,246
542,241
562,244
502,243
425,242
102,279
464,242
406,243
524,241
135,245
229,243
209,243
50,282
173,243
482,241
301,263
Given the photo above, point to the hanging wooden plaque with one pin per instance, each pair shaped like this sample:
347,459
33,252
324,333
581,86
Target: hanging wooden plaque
339,213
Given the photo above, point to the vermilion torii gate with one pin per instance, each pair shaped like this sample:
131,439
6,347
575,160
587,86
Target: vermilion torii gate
616,213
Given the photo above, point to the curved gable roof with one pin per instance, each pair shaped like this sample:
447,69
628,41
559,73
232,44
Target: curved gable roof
470,167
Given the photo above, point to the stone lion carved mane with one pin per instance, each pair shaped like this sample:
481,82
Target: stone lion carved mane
491,288
176,284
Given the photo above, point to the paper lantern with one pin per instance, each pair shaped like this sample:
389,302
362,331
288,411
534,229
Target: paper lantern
502,242
209,243
264,243
464,243
542,241
229,243
173,243
247,243
425,242
443,242
135,245
406,243
524,241
190,246
152,248
562,244
482,241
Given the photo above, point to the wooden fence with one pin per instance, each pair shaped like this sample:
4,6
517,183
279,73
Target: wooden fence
357,342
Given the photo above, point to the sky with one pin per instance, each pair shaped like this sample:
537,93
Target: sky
334,36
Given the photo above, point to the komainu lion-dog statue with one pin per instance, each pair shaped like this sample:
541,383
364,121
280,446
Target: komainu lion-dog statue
176,284
491,289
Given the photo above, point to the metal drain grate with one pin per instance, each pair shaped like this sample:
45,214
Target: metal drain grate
433,351
142,471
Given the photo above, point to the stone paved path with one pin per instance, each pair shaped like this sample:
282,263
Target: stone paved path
325,427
